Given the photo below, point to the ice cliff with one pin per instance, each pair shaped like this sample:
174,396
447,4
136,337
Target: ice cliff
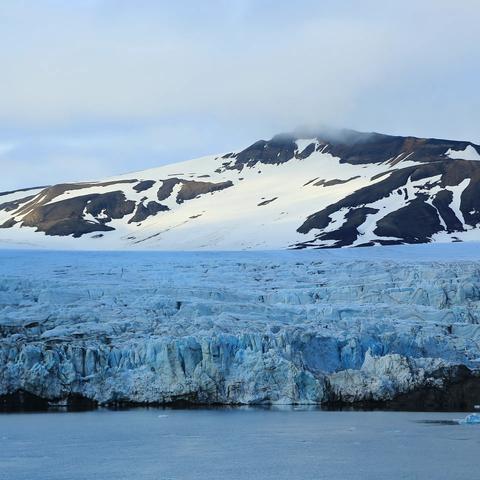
237,328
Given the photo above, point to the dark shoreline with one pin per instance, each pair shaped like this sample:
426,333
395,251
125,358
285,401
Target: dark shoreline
418,401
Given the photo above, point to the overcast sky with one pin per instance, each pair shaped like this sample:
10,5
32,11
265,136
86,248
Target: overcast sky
92,88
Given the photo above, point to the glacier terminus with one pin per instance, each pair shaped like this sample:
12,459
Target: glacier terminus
387,326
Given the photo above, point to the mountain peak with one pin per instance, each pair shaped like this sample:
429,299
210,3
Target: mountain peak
322,188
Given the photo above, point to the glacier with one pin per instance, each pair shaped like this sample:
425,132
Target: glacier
323,327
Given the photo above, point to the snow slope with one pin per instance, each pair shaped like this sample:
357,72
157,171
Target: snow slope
287,192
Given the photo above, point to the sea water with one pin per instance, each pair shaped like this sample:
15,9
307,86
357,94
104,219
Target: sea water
237,443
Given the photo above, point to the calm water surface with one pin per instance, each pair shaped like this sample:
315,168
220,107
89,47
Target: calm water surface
237,444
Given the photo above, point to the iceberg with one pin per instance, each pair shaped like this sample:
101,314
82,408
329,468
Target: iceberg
472,419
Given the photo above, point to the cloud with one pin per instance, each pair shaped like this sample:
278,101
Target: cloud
89,63
6,148
125,70
109,73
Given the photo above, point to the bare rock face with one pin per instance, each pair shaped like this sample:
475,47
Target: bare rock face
77,215
425,214
144,211
276,328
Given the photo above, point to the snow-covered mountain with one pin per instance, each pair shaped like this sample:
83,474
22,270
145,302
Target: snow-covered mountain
334,189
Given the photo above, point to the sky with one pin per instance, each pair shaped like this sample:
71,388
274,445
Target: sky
94,88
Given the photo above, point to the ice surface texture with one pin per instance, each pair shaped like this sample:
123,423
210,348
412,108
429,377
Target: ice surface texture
274,327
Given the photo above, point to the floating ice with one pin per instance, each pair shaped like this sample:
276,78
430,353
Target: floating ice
472,419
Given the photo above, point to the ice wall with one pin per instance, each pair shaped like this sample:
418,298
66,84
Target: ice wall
282,328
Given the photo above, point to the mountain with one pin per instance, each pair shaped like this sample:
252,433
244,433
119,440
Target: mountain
329,189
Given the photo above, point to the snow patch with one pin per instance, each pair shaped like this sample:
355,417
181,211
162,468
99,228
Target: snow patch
470,153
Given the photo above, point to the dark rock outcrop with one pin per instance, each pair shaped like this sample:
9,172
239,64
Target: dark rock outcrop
144,185
189,188
423,214
144,211
65,217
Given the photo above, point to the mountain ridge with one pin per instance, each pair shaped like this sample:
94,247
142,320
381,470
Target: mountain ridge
335,189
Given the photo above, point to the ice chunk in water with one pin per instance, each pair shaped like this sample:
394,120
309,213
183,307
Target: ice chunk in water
473,418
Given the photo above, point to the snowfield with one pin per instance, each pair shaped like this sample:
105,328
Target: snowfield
226,220
288,192
312,327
